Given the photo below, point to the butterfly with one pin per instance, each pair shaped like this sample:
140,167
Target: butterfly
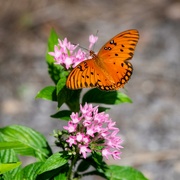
110,69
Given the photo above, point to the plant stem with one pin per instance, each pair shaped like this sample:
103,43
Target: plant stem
70,172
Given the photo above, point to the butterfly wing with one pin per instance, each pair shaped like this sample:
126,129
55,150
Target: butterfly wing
110,69
86,74
114,55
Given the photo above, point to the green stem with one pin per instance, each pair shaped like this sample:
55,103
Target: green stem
70,172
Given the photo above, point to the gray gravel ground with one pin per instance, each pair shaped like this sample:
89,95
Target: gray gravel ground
151,125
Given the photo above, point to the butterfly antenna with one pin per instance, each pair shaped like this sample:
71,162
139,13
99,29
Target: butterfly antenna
80,46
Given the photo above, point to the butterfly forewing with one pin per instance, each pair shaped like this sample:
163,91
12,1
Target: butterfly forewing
115,55
121,46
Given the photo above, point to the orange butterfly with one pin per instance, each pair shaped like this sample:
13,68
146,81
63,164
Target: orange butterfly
108,70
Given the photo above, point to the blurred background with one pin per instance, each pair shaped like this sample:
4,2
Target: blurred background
151,125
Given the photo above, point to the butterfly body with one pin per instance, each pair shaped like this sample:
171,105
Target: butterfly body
110,69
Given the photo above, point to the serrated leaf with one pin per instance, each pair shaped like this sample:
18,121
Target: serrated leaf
29,172
53,162
9,156
110,97
10,145
4,167
31,142
123,173
64,115
47,93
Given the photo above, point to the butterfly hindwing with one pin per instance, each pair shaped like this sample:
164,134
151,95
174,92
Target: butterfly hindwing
86,74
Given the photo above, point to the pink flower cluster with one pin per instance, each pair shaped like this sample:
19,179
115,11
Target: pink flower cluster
92,131
66,54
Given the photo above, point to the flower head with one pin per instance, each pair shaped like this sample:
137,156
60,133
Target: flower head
67,55
90,131
92,39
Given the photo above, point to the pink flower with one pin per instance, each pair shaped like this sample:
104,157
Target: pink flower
75,118
90,131
92,39
116,154
79,136
80,56
86,109
84,150
71,140
71,127
57,53
86,139
66,54
106,153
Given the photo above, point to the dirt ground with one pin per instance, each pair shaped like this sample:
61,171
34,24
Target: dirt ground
151,125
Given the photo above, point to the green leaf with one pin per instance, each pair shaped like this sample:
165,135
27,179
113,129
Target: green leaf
109,97
47,93
64,115
53,69
10,145
73,99
53,40
62,81
102,109
29,172
53,162
9,156
123,173
4,167
62,91
62,97
96,160
30,142
83,166
61,176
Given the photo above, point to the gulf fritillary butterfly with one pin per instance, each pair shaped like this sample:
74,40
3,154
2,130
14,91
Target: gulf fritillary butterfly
110,69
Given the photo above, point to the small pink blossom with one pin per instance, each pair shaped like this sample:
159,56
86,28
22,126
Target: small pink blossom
86,109
75,118
57,53
86,139
71,140
90,131
79,136
116,154
71,127
92,39
84,150
106,153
